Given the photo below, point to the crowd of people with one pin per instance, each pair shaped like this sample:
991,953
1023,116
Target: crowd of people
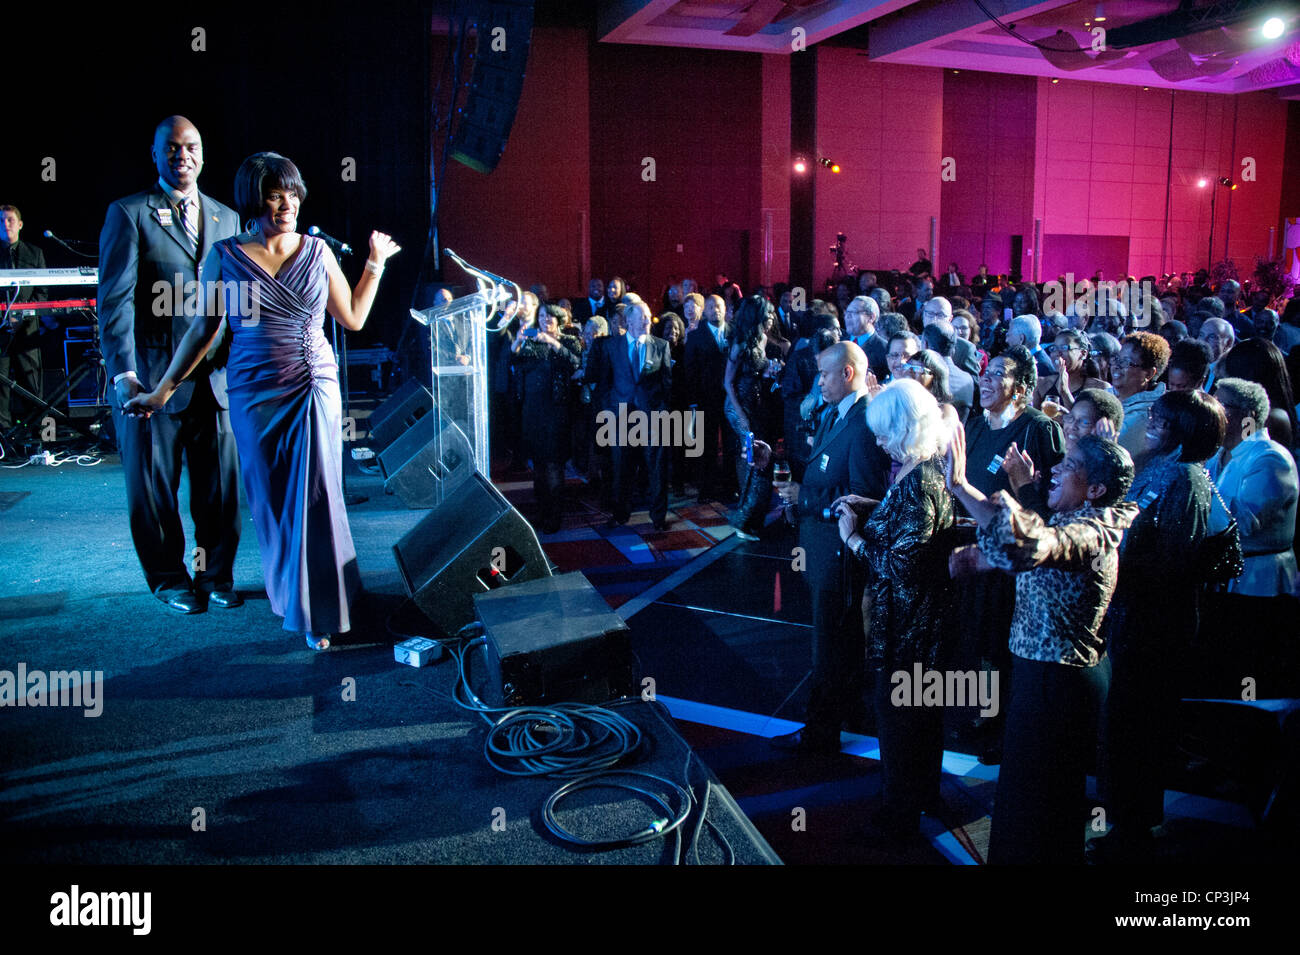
1054,490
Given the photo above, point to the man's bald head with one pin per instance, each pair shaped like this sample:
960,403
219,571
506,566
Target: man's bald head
936,309
178,153
1219,335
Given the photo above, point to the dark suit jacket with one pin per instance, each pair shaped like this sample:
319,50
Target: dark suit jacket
139,261
855,464
582,309
966,356
27,333
706,368
616,381
945,282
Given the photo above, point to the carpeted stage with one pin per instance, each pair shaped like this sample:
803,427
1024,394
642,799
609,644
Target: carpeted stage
227,720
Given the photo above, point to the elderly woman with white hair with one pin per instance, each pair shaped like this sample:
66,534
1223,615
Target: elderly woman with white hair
1256,477
905,543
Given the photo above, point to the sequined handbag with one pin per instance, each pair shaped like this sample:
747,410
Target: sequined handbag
1221,559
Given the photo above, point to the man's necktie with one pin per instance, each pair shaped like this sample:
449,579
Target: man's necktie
828,422
189,221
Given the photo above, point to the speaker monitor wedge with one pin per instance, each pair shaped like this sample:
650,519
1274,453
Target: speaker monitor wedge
407,405
426,461
471,543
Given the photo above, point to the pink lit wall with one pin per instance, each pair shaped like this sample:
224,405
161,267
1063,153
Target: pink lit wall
525,219
1102,166
770,261
699,118
988,130
884,125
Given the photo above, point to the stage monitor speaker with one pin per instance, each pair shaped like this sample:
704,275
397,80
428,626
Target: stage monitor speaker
420,471
504,29
554,640
407,405
471,543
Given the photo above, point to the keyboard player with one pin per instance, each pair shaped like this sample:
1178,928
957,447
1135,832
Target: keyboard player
20,342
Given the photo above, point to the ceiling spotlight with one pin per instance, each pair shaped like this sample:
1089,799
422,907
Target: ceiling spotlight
832,166
800,165
1202,183
1055,80
1273,28
1233,186
835,167
1100,15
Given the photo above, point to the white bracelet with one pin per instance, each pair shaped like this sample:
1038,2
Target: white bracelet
374,268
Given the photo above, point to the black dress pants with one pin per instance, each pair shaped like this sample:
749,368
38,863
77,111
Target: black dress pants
153,451
1051,737
911,754
838,664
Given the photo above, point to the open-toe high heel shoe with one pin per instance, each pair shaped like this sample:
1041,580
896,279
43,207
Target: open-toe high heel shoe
318,641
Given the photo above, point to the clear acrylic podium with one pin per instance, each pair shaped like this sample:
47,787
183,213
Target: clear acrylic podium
459,359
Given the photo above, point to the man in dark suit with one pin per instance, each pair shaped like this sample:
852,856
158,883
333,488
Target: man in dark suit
844,459
860,328
634,375
981,283
706,367
20,335
152,244
964,353
593,304
952,280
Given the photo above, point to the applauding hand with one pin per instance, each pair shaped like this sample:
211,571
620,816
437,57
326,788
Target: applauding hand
1105,429
1019,467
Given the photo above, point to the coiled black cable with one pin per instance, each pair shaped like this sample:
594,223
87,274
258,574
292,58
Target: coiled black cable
586,742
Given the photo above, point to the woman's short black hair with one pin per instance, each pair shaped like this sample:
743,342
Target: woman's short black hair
1197,422
1026,370
1106,405
1192,356
1107,463
258,175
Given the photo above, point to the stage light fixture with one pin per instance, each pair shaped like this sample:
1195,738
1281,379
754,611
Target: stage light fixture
1273,28
829,164
1100,15
800,165
1055,80
1202,183
1225,181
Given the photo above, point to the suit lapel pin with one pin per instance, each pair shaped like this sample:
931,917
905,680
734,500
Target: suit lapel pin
165,218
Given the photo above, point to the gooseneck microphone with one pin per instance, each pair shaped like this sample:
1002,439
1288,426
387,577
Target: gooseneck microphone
339,247
85,255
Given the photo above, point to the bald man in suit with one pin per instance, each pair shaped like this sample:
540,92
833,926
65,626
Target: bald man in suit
152,251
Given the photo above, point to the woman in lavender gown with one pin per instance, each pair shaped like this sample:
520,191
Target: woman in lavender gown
285,405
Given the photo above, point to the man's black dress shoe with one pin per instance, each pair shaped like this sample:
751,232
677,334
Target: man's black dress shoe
225,599
182,601
661,525
801,741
